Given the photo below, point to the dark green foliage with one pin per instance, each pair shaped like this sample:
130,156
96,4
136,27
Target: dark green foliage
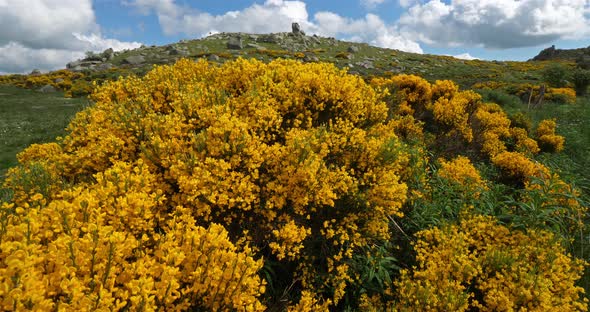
507,101
581,80
521,120
556,75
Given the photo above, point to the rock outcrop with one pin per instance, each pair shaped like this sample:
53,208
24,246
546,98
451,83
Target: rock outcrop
552,53
134,60
296,29
235,43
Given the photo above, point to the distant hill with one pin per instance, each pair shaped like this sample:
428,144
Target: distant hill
580,55
361,58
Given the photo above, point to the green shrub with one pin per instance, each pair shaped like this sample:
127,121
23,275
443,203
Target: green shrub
581,80
556,75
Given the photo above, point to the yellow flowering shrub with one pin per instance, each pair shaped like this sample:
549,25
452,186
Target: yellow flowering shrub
461,171
411,95
453,112
564,95
112,245
180,189
519,168
72,83
523,90
492,127
442,109
484,266
522,141
489,85
549,141
299,55
296,160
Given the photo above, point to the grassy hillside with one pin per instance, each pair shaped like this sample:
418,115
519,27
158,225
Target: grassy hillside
28,117
360,58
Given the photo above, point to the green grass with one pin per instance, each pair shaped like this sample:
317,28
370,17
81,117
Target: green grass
28,117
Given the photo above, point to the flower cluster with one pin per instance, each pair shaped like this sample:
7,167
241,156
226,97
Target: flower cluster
481,265
519,167
111,245
563,95
523,143
493,128
290,238
549,141
461,172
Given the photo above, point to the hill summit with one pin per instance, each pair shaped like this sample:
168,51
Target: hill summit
579,55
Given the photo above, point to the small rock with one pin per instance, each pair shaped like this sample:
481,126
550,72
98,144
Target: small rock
365,64
255,46
310,58
47,89
213,58
73,64
108,54
58,80
270,38
353,49
178,52
234,43
35,72
103,66
296,29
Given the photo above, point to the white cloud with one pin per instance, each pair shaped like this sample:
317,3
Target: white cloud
371,4
496,23
16,58
465,56
407,3
48,34
272,16
371,29
276,16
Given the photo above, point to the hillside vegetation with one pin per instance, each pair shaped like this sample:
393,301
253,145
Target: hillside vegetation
293,185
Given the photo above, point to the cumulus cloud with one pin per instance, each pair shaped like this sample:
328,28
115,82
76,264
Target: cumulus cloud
48,34
496,24
407,3
371,4
371,29
16,58
465,56
272,16
276,16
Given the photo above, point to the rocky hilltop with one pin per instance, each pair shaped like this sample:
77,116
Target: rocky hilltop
580,55
360,58
214,48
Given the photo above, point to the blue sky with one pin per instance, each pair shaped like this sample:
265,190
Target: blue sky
46,34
